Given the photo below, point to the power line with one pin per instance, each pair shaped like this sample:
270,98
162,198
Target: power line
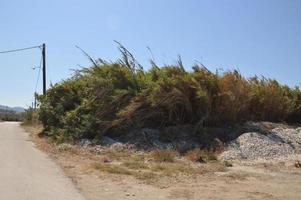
38,78
23,49
43,60
43,48
40,66
49,72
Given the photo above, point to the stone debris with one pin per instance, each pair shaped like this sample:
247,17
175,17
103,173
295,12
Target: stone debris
250,141
84,143
265,144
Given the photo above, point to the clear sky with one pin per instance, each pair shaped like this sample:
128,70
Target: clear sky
255,36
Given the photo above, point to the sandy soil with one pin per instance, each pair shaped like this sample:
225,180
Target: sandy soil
253,180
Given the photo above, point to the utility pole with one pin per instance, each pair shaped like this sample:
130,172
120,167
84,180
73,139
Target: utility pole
44,68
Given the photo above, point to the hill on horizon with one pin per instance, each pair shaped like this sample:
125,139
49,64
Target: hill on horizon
17,109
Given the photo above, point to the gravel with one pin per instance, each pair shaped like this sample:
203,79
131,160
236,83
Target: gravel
279,142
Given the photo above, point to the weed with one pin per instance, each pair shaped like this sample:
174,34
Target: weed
238,176
136,165
145,176
198,155
105,159
170,168
113,169
227,163
116,155
166,155
298,164
64,147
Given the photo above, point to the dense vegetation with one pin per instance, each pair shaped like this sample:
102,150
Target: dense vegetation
115,97
29,117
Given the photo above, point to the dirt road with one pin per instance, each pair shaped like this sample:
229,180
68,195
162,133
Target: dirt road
28,174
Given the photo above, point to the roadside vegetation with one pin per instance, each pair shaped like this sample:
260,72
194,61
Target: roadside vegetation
9,115
151,166
112,98
148,167
30,117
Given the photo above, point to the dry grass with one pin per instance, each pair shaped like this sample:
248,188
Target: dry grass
113,169
166,155
297,164
198,155
238,176
153,165
42,143
136,165
64,147
33,130
171,168
148,167
126,169
147,177
113,154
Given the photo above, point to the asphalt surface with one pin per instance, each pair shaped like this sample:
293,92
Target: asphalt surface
26,173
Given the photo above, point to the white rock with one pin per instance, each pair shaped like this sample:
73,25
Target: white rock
280,142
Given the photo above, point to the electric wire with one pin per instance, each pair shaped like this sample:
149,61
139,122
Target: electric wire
49,72
40,66
22,49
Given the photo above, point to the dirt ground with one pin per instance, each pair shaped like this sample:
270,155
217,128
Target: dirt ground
99,177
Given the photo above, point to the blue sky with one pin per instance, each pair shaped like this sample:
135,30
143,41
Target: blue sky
255,36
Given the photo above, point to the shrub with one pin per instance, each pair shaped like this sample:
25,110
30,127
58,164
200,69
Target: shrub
30,117
112,98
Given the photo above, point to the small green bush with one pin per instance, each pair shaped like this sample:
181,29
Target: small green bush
227,163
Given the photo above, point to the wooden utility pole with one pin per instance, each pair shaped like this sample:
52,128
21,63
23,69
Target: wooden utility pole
44,68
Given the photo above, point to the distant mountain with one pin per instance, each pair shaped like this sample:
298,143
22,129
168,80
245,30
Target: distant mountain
16,109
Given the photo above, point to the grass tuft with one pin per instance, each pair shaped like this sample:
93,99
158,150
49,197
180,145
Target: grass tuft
113,169
198,155
166,155
227,163
64,147
136,165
